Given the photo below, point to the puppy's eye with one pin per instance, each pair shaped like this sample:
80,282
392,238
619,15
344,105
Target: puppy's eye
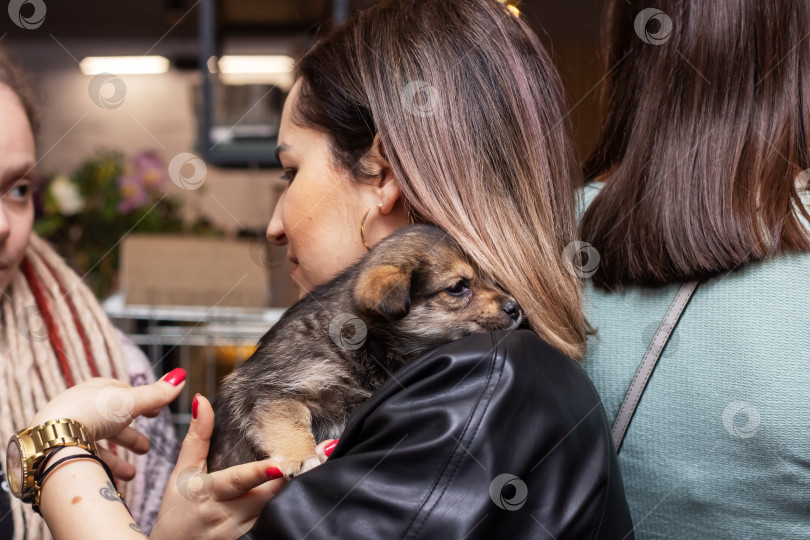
459,289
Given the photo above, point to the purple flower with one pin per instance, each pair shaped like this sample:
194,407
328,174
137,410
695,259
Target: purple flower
132,192
151,169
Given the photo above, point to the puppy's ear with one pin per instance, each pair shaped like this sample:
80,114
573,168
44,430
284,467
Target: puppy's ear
385,290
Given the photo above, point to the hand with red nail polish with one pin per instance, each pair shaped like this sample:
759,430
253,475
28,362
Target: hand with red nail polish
175,376
223,504
106,407
328,446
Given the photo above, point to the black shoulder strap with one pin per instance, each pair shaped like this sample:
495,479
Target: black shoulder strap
645,369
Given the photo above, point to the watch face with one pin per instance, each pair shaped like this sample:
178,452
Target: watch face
14,467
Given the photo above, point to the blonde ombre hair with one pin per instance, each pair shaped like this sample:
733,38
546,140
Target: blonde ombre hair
471,118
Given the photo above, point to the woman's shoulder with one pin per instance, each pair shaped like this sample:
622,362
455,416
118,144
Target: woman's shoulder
503,361
437,445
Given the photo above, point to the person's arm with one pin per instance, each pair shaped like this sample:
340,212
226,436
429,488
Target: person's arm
491,436
155,467
78,496
78,500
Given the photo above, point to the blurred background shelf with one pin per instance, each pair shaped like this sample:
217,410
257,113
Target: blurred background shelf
207,342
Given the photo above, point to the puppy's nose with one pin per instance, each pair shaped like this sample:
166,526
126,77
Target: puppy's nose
512,310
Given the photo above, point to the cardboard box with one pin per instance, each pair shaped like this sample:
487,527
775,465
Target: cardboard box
171,270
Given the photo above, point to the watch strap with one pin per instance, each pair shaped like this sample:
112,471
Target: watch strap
61,432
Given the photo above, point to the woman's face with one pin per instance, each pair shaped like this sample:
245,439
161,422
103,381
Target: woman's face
17,163
318,216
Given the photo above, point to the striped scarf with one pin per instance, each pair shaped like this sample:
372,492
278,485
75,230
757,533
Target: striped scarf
54,335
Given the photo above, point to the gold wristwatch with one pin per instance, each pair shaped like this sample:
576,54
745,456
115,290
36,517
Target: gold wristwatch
29,447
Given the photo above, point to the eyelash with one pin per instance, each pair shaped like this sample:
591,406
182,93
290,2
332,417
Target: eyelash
26,185
289,175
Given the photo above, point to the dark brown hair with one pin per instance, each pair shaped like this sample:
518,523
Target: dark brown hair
471,117
706,131
21,83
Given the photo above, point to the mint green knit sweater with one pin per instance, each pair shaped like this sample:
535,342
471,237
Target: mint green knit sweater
720,443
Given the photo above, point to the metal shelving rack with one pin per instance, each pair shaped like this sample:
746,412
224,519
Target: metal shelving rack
181,327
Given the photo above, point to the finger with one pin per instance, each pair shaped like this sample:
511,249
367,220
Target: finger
326,448
132,439
194,452
151,414
120,468
102,382
236,481
246,509
155,396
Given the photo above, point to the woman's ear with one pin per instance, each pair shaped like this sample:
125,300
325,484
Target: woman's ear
389,191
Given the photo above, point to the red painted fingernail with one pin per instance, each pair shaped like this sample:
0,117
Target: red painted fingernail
176,376
273,473
194,407
330,447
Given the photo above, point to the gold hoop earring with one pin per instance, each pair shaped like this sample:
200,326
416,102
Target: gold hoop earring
363,224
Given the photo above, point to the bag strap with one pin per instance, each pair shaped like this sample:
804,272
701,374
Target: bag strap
645,369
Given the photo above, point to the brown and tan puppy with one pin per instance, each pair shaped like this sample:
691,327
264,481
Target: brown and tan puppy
414,291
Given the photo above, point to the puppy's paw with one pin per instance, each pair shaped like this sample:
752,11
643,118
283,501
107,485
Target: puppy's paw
293,467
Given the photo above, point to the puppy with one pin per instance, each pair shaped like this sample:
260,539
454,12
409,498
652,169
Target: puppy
414,291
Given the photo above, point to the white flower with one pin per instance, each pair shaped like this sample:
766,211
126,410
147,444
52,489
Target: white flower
67,196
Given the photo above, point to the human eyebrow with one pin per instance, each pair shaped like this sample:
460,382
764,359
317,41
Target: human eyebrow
15,172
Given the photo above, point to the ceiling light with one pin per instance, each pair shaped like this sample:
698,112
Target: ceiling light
120,65
256,64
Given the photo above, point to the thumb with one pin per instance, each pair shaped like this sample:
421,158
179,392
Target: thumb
155,396
194,451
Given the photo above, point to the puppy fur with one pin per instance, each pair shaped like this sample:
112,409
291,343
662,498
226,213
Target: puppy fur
414,291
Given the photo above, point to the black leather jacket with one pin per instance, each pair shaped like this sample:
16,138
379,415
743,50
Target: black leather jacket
492,436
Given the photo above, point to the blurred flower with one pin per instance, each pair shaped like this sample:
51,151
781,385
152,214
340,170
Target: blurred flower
113,195
151,168
132,192
66,195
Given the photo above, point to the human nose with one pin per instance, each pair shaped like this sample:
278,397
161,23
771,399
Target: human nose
275,229
5,224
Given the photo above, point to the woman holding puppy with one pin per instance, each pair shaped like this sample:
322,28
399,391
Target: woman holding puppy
445,112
